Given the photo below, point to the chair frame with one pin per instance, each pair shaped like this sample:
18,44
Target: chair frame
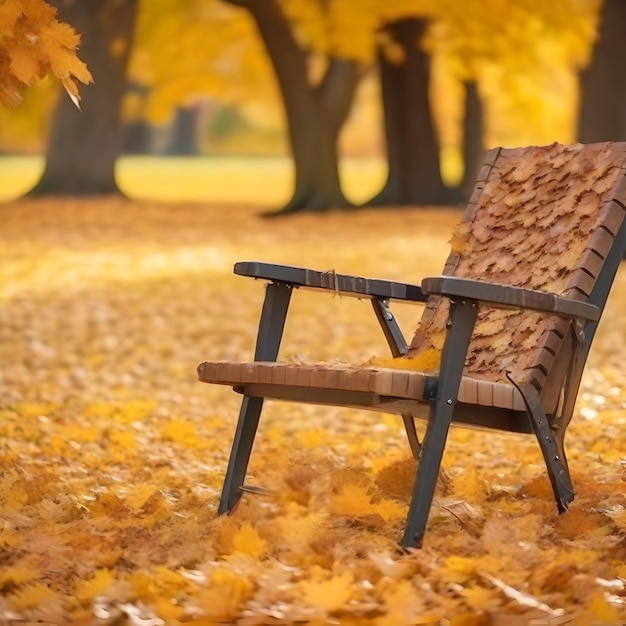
542,411
465,295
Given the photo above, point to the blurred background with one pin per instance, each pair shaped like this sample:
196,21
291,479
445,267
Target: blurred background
326,103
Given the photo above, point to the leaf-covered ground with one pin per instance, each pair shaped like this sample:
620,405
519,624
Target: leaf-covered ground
112,454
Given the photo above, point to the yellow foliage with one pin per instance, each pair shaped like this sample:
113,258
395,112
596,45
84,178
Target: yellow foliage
33,44
135,497
96,586
458,241
248,541
357,500
88,526
469,484
225,594
481,598
330,594
427,360
31,596
16,575
602,611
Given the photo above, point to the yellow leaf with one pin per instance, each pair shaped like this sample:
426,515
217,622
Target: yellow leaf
480,597
32,596
222,600
426,360
352,500
602,610
469,485
25,64
17,574
458,240
166,609
330,594
136,496
89,589
248,541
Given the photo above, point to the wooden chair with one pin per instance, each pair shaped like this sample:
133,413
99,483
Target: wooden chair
512,319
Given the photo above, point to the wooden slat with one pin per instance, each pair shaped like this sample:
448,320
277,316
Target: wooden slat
619,191
485,393
279,377
592,263
332,378
400,384
247,372
491,156
614,217
363,379
550,349
552,341
265,373
601,242
319,377
207,371
538,377
303,376
582,281
407,384
416,386
503,396
478,190
468,391
383,382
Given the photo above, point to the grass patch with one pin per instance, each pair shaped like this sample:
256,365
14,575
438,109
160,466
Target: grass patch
203,179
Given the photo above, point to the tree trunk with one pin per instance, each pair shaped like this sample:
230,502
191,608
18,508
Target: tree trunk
84,145
315,113
137,134
412,145
137,138
603,83
185,128
473,138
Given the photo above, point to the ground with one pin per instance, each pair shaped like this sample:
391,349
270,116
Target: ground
112,454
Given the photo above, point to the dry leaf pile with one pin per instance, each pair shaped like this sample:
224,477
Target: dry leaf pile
520,230
112,454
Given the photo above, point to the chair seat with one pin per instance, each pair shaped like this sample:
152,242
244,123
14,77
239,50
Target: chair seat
386,382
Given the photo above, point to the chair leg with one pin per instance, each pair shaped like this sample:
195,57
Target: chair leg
271,327
411,433
398,346
427,474
240,454
551,446
460,327
556,464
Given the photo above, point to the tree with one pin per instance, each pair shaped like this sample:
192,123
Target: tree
315,111
603,82
185,135
473,137
412,144
83,146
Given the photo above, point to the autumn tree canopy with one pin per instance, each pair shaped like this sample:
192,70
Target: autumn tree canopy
490,73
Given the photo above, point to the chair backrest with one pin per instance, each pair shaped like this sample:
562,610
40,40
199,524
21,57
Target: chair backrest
543,218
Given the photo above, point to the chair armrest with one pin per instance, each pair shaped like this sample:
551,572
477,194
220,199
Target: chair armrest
506,296
343,284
